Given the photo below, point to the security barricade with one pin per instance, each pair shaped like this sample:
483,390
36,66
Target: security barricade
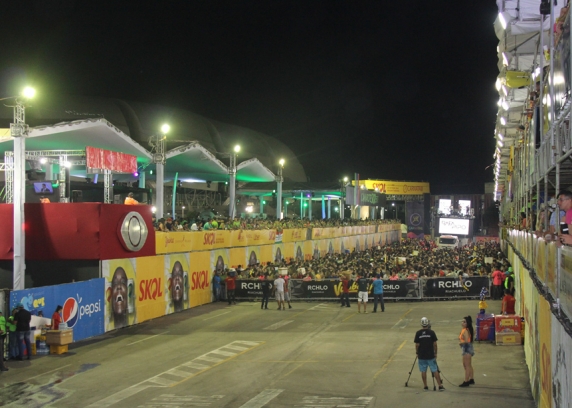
405,289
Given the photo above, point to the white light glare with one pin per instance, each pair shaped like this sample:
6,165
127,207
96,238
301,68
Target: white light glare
498,84
43,160
503,120
505,90
505,59
500,143
67,164
500,136
502,21
165,129
505,105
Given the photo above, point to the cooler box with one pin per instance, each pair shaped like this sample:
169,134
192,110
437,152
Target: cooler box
59,337
485,327
507,323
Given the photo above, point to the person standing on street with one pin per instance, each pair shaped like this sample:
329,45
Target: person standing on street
13,349
287,290
426,350
265,286
279,292
345,295
2,341
231,286
22,320
378,293
363,283
467,350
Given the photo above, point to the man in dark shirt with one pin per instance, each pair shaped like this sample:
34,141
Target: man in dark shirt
363,286
345,295
265,286
426,350
22,320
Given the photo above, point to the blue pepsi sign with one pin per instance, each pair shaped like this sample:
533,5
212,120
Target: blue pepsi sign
82,302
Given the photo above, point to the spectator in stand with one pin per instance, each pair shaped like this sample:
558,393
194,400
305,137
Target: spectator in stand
565,204
207,226
57,318
129,200
169,224
214,224
498,278
161,225
194,226
508,302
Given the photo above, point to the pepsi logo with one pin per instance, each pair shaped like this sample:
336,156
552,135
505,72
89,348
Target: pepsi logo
70,312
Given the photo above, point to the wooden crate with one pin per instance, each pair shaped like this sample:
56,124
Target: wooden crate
58,349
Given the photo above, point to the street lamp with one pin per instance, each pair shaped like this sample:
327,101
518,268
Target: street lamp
19,132
183,212
232,182
157,143
342,196
279,180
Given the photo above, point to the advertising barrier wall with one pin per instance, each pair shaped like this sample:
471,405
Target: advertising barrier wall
547,344
82,302
396,289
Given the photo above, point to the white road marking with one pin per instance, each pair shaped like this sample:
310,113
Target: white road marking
236,348
334,402
223,353
212,317
161,381
262,399
401,324
147,338
278,325
47,372
172,400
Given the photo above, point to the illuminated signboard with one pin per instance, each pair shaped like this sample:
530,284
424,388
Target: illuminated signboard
454,226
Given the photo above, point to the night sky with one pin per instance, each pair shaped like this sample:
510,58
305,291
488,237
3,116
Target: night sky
395,90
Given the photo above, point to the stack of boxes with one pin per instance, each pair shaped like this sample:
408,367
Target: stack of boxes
59,340
508,330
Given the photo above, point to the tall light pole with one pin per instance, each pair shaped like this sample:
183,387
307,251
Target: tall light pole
279,181
19,132
183,212
232,182
342,198
157,143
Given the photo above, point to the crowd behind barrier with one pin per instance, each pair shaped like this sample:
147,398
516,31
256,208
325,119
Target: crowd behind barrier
219,223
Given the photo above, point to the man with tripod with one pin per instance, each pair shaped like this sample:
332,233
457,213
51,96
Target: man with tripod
426,350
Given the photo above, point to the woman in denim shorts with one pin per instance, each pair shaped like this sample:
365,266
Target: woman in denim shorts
467,350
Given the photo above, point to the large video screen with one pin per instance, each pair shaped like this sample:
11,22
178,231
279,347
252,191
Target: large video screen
444,206
454,226
43,188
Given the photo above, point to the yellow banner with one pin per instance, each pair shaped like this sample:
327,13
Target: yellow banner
308,250
294,235
205,240
277,252
260,237
237,256
288,252
237,239
200,277
396,187
152,287
178,285
169,242
253,253
266,254
551,267
120,281
545,343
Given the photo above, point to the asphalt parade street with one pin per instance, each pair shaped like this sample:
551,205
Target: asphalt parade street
316,354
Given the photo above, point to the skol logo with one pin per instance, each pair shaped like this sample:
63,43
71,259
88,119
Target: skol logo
209,238
380,186
150,289
200,280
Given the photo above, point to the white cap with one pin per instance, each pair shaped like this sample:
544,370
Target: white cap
424,322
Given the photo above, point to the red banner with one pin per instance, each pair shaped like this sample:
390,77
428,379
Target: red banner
108,160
